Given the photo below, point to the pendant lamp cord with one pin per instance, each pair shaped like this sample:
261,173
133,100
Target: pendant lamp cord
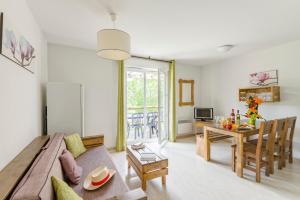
113,19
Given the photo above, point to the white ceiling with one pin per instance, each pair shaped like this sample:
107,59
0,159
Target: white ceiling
186,30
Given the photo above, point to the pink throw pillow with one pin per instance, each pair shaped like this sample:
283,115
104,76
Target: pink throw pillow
70,167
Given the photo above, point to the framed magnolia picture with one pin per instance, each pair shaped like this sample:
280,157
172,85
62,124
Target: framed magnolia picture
264,78
14,46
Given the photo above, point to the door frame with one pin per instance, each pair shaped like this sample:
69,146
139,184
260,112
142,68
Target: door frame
165,106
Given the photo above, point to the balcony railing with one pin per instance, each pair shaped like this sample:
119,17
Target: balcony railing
140,124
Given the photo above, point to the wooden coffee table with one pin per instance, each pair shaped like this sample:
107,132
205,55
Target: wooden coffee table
147,170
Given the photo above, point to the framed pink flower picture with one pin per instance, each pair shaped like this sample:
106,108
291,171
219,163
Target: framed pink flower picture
264,78
15,46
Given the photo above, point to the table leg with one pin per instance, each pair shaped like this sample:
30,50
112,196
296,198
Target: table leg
239,155
144,184
206,145
128,165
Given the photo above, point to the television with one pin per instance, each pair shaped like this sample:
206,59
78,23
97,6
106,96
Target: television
203,114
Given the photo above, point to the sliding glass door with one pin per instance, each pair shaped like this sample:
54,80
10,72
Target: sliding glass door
146,102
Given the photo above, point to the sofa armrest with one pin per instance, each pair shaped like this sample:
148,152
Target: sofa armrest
93,141
137,194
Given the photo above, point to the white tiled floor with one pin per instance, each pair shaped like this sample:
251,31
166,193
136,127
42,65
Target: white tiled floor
190,177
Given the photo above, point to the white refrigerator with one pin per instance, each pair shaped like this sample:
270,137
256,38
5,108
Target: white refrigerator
65,111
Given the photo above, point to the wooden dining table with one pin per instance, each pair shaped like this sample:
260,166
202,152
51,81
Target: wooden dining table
239,136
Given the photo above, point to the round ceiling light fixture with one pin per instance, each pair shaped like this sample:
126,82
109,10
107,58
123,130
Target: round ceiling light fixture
113,44
225,48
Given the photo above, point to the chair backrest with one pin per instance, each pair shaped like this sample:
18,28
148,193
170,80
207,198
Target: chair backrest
267,128
282,129
151,117
137,118
150,114
291,128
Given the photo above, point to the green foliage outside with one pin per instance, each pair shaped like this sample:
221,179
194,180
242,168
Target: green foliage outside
135,93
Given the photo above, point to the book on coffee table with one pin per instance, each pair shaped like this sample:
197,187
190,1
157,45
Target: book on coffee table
148,156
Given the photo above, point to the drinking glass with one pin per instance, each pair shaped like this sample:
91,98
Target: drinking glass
217,119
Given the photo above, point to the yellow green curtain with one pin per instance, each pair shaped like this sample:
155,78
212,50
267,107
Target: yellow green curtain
121,142
172,102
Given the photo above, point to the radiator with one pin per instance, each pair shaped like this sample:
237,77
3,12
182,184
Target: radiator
184,126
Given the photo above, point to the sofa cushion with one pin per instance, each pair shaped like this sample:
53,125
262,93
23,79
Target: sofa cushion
63,191
75,145
90,160
36,184
70,167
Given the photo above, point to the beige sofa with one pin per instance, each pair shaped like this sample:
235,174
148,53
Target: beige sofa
36,184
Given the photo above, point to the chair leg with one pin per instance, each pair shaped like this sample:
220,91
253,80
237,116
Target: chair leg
279,163
152,130
279,153
283,159
268,169
290,155
246,162
271,163
135,133
139,132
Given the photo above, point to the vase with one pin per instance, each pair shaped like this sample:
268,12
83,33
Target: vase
252,121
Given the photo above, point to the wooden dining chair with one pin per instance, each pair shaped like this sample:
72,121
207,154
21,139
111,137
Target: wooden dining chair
288,142
280,137
259,154
283,147
280,141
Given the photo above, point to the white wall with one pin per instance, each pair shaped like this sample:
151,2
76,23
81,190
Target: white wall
21,91
100,80
187,72
220,82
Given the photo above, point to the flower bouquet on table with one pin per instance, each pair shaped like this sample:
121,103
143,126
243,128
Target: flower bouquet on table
252,112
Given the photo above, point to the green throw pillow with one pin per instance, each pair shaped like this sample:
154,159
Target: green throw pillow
74,145
63,191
